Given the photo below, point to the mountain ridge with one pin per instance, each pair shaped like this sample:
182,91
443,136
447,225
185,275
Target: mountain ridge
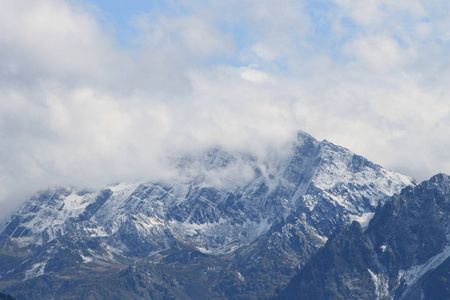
403,254
235,227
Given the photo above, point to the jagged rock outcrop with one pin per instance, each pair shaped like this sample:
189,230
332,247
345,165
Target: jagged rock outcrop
403,254
232,226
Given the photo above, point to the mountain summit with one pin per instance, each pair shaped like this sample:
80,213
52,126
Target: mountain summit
230,218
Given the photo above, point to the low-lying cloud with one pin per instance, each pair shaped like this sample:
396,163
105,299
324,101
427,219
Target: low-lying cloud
78,107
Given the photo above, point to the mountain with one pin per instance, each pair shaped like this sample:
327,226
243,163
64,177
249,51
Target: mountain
403,254
231,226
6,297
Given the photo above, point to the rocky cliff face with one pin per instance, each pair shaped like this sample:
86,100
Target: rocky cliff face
232,226
403,254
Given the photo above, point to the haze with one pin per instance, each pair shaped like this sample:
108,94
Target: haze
95,92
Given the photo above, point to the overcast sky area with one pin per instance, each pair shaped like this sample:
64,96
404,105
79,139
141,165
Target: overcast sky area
98,91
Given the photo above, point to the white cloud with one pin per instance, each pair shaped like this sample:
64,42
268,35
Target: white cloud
374,14
379,53
255,75
190,35
52,38
77,108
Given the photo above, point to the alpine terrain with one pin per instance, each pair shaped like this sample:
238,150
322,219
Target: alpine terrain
232,226
403,254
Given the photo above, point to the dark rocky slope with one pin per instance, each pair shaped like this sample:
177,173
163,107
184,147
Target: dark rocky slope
403,254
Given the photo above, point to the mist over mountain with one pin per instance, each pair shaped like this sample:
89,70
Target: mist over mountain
162,139
94,92
232,226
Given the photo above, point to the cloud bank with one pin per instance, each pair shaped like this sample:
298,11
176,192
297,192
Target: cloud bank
78,106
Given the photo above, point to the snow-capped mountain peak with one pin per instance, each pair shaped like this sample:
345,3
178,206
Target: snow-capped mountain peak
224,204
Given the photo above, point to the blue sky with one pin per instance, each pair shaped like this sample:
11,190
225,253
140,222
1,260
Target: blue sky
119,17
119,14
327,26
93,92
